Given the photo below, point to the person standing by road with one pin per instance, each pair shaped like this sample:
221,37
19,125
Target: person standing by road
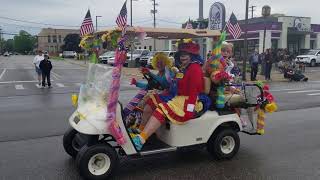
45,67
268,61
254,62
36,61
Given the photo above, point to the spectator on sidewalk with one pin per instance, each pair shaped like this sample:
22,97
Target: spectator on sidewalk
36,61
268,64
254,62
45,67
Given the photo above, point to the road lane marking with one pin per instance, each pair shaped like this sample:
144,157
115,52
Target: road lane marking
60,85
19,86
13,82
307,91
57,75
315,94
3,72
278,90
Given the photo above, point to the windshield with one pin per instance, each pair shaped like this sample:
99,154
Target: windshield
137,51
311,52
110,53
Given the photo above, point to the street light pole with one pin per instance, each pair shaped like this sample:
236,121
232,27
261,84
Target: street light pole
131,61
97,23
244,69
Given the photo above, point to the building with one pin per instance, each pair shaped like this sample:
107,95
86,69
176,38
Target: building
51,40
149,43
284,32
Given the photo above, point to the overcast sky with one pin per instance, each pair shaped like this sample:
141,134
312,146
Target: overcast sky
170,12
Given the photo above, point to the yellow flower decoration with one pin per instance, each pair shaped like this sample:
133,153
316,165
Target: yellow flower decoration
183,41
161,56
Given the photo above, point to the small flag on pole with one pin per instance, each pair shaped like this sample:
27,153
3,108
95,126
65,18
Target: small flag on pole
234,27
87,25
189,25
122,18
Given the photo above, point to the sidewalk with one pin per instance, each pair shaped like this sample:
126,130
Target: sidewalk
276,76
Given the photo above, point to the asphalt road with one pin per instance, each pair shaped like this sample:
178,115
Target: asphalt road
33,120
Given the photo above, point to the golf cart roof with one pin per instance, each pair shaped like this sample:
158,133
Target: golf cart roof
168,33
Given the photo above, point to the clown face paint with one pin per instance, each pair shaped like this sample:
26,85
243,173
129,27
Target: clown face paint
185,59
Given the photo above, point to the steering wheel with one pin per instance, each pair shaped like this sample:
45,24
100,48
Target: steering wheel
153,83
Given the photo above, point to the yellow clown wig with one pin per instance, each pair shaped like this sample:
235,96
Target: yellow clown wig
160,56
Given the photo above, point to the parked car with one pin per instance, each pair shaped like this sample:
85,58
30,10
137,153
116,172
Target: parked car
312,57
170,54
69,54
137,55
104,58
6,54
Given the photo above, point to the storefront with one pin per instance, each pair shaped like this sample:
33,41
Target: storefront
285,32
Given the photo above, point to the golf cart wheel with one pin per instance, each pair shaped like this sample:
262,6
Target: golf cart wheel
97,162
224,144
69,143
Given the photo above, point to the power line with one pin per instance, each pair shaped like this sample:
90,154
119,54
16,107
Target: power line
32,22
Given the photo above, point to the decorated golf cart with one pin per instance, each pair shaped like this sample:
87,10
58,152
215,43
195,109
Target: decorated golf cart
99,134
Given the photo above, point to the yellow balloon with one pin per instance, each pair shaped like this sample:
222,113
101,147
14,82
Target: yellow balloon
74,99
272,107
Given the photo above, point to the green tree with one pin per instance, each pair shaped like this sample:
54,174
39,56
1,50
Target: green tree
71,43
8,45
24,42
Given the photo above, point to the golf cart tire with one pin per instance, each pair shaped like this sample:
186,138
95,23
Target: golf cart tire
87,155
214,144
68,138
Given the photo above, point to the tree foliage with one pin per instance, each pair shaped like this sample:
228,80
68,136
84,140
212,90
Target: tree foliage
24,42
71,43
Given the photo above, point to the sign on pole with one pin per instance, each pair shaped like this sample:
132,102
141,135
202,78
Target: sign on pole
217,16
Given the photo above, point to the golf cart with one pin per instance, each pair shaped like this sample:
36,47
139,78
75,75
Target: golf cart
97,152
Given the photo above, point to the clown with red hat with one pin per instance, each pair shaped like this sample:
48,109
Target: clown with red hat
182,103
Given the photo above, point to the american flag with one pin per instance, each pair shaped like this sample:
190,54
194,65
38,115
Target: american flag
189,25
87,25
234,27
122,18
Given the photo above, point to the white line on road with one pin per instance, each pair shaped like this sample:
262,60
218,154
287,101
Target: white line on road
315,94
3,72
60,85
307,91
19,86
278,90
13,82
55,74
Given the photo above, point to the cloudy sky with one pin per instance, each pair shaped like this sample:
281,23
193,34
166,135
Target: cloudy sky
171,13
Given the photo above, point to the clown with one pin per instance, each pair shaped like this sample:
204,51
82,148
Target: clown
180,106
133,110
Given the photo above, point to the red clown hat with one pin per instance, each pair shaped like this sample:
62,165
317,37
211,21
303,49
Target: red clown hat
190,47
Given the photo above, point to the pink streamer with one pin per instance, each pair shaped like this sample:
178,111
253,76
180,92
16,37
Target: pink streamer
114,96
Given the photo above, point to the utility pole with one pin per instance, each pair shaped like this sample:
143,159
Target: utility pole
252,10
1,41
244,68
154,11
97,23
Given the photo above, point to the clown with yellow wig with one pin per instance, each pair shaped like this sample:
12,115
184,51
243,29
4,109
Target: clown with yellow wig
163,64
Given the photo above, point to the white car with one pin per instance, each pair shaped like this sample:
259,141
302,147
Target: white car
104,58
138,55
312,57
170,54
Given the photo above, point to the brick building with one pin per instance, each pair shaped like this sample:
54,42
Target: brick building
51,40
